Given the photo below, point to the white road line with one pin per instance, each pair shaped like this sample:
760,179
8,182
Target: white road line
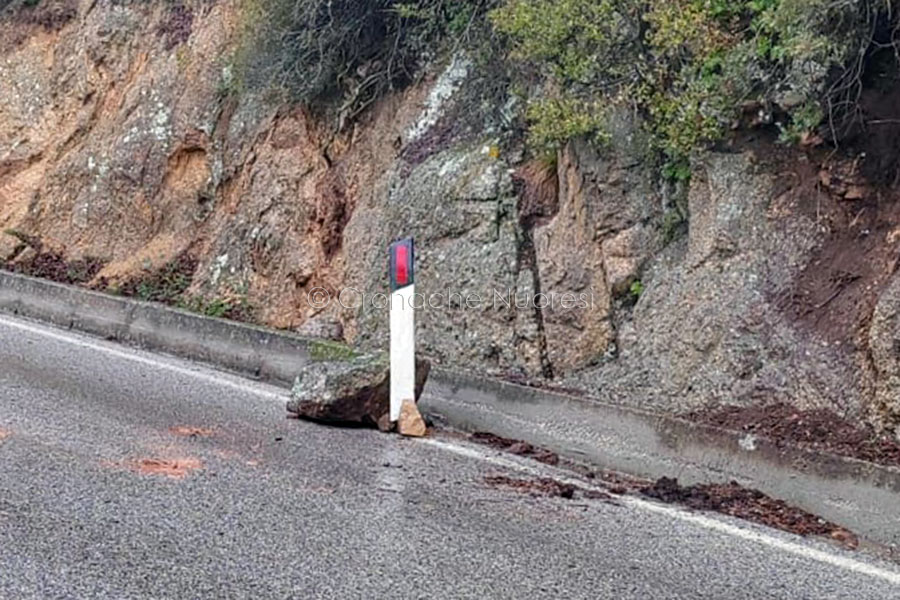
210,376
681,514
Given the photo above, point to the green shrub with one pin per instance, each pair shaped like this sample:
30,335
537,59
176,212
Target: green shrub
803,120
636,289
690,66
233,306
321,350
553,119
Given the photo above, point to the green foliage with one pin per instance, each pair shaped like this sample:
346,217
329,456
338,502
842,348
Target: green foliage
325,351
169,284
677,170
803,120
554,119
687,66
636,289
690,65
235,308
568,36
166,286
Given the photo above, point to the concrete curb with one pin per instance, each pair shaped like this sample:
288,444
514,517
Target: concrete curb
263,353
856,494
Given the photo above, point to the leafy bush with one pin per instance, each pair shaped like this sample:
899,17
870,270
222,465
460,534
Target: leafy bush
692,66
234,307
555,119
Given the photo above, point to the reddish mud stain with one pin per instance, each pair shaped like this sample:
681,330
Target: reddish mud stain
4,433
192,432
177,468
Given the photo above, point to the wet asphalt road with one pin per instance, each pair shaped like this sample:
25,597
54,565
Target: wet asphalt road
255,505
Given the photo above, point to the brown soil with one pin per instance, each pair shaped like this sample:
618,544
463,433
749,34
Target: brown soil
333,211
537,185
731,499
857,216
545,486
752,505
174,468
516,447
834,294
819,430
4,434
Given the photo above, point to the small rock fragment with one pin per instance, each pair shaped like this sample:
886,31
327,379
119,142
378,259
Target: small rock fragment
856,192
384,423
411,422
846,538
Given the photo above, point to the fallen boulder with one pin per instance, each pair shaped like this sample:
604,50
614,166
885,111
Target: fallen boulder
355,391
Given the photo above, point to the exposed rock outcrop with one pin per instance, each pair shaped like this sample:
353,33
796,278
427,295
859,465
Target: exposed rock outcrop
756,304
885,348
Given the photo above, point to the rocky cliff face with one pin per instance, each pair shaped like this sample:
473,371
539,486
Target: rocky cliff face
120,141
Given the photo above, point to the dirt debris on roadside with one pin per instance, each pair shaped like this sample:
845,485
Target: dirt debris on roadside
517,447
729,498
546,486
752,505
819,429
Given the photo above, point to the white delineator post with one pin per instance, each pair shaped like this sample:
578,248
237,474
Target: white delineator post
403,326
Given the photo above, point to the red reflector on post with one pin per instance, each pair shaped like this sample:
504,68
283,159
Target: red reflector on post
401,261
402,264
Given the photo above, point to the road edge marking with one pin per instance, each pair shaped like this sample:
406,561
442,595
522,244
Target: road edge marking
138,355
